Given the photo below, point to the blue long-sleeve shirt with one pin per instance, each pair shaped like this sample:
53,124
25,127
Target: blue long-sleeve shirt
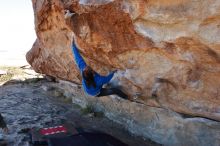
99,80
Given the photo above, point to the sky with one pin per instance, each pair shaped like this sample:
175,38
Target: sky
17,33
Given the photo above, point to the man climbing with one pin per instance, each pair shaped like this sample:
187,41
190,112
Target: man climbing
92,82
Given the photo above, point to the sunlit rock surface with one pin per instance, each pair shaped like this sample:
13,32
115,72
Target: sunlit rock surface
166,51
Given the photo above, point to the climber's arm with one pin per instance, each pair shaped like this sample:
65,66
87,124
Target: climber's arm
106,79
78,58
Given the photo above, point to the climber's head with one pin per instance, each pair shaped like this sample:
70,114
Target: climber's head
88,75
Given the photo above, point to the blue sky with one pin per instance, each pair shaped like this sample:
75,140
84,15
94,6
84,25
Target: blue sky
16,25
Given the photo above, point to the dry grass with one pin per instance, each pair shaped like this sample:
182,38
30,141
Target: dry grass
89,109
11,72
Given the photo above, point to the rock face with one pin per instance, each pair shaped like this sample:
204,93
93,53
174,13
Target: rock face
166,48
163,126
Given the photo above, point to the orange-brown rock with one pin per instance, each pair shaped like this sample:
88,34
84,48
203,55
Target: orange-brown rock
166,48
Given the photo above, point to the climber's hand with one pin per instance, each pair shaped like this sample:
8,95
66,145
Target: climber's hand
68,14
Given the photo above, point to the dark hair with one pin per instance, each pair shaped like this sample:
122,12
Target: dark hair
88,75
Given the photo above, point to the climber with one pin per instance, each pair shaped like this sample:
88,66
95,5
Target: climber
3,125
92,82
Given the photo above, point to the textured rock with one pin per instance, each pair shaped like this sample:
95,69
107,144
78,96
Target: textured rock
167,48
161,125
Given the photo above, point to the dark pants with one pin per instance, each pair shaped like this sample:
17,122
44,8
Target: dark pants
111,91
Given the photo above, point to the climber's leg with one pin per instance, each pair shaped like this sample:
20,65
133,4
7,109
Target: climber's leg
111,91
